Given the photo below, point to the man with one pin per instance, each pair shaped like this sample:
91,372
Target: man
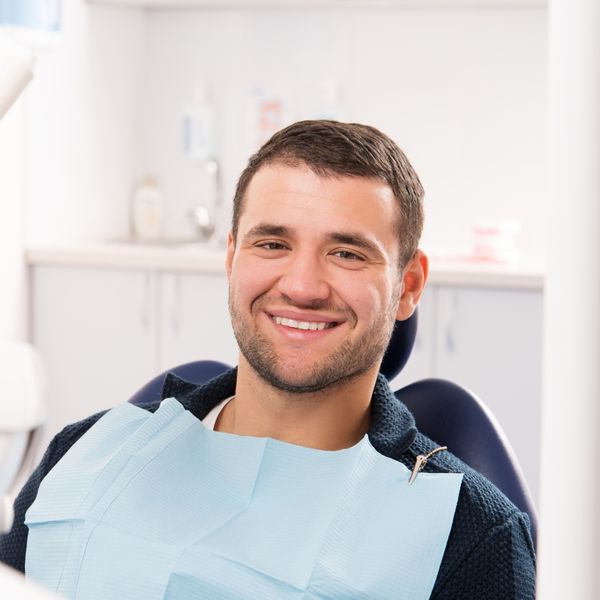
307,487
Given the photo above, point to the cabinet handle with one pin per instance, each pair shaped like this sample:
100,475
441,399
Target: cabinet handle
449,339
146,301
175,304
449,332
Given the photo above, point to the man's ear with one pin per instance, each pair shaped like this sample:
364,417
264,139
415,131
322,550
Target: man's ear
229,255
414,277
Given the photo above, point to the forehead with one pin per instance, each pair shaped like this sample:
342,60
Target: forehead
298,196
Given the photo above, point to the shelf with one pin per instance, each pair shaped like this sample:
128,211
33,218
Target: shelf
216,4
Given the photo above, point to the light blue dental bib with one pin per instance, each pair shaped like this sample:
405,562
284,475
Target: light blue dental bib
156,506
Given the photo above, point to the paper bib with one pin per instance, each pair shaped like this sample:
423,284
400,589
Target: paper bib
155,506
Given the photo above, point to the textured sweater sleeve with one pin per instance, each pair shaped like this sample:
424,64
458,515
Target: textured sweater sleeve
14,543
500,567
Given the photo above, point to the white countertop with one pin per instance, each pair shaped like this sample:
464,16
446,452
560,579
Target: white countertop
202,258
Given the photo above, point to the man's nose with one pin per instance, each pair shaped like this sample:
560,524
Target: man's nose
304,280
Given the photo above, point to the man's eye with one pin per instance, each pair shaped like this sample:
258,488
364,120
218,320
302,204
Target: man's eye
347,255
271,246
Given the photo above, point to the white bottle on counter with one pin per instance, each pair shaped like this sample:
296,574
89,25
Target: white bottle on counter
147,211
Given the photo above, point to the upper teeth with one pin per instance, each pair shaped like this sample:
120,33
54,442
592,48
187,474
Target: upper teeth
300,324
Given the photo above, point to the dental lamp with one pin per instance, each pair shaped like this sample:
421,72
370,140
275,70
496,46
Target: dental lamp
23,408
16,71
22,404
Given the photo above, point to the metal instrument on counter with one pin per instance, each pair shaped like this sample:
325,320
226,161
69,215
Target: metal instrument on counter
205,216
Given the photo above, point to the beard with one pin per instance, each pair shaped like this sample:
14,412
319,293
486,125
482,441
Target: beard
345,363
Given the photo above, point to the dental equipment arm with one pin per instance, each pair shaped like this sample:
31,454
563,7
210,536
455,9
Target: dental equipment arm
16,71
23,411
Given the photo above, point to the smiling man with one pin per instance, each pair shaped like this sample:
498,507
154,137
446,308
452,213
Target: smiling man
293,475
316,284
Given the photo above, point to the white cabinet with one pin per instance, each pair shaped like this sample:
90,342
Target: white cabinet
96,332
103,333
490,341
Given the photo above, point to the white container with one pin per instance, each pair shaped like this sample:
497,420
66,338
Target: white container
199,126
147,211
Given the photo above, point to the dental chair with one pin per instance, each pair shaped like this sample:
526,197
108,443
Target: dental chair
444,411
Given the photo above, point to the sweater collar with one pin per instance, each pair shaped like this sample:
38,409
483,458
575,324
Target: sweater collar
392,428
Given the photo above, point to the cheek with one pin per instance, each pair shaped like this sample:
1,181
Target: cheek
249,280
383,298
366,297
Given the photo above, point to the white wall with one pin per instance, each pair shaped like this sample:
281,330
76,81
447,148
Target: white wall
13,299
461,90
83,101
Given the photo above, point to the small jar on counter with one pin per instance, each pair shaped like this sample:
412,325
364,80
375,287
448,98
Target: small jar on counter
147,211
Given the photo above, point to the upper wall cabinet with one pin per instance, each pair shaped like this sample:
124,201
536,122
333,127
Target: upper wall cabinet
327,3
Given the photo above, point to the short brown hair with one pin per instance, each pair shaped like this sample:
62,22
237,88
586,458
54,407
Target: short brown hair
330,148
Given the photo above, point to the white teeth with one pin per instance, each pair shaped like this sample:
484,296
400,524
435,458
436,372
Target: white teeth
300,324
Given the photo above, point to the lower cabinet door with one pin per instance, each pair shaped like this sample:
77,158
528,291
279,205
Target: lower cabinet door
490,341
95,329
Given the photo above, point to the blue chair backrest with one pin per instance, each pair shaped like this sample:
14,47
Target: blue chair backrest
197,371
455,417
400,346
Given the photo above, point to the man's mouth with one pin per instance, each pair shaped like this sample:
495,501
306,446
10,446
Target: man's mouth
305,325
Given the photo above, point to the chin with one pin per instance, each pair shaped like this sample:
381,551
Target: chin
306,383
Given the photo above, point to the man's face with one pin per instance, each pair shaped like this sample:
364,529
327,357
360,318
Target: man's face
314,284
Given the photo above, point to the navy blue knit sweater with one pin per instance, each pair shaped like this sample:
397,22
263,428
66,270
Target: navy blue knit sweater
489,555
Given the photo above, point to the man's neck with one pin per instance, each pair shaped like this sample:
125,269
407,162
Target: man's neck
330,419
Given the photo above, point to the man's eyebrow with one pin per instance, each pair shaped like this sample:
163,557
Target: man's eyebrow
352,238
268,229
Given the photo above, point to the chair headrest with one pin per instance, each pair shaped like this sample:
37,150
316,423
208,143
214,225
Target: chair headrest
400,347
